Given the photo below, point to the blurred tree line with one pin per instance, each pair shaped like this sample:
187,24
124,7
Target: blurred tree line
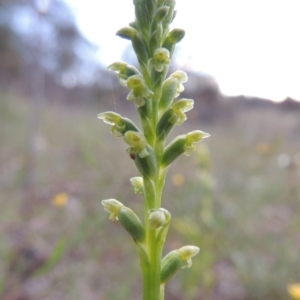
44,55
41,47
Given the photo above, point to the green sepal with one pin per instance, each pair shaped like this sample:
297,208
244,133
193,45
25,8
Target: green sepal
140,47
164,126
145,111
146,165
169,92
132,224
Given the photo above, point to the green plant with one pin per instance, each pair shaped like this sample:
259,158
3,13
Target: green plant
153,94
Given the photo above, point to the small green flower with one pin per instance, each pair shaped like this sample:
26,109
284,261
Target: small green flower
155,97
138,184
179,109
181,77
175,260
124,71
184,143
127,218
112,206
186,254
137,143
172,87
160,60
119,124
193,137
139,90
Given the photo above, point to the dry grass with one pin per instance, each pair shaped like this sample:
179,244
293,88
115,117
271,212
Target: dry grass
249,251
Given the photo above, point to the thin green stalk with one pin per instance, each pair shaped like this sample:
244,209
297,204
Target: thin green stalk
155,97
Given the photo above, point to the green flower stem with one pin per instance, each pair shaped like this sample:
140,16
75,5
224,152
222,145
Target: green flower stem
154,97
154,243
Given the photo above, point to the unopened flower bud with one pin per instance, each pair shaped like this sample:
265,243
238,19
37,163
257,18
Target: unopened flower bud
176,35
161,13
126,33
157,219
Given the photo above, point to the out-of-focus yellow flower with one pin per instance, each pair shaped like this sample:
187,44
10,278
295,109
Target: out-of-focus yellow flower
294,290
60,199
177,179
263,148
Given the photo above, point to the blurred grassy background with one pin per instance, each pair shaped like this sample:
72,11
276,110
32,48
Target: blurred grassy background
237,198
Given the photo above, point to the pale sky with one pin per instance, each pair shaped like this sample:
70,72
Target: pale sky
251,47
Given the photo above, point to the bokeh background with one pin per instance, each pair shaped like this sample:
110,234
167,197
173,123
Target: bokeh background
237,197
